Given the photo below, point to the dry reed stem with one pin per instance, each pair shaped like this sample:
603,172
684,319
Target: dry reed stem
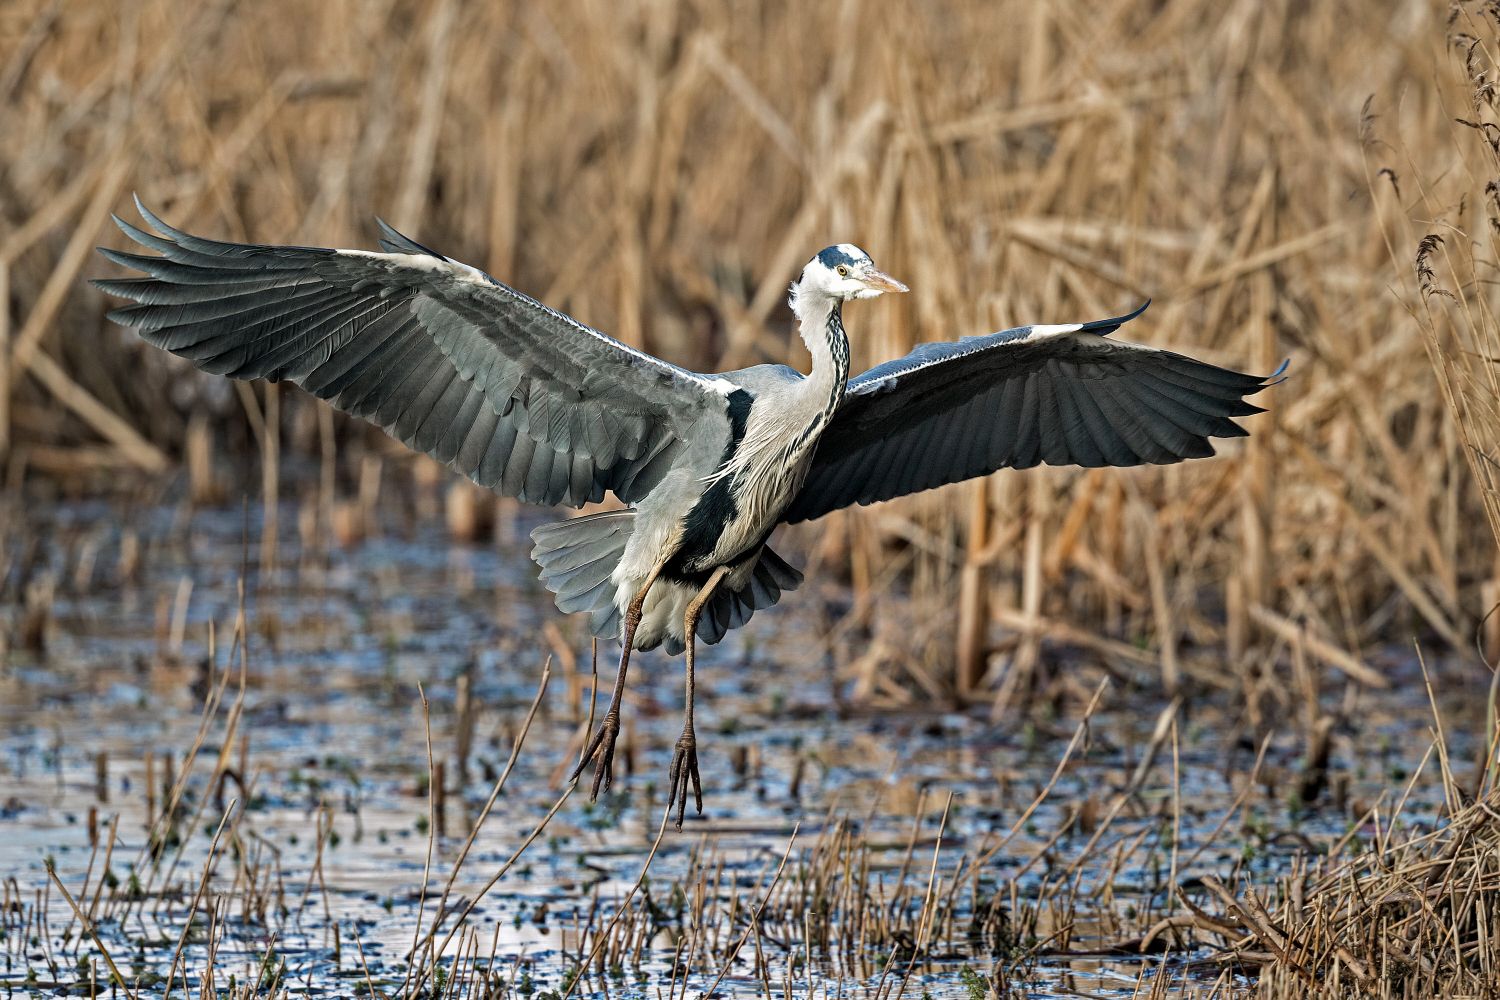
93,933
603,937
419,966
187,924
484,812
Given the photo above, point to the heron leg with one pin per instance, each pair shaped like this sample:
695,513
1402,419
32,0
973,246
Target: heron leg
684,769
602,744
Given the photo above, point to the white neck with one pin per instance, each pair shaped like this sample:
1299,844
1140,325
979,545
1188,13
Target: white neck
822,330
786,421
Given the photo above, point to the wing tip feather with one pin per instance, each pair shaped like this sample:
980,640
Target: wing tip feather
152,219
1104,327
1277,377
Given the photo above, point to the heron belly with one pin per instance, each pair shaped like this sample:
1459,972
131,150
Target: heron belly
664,613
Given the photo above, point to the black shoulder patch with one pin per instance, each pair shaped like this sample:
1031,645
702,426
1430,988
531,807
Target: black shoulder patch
739,415
716,507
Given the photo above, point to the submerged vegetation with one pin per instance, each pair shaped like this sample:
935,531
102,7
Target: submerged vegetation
1214,730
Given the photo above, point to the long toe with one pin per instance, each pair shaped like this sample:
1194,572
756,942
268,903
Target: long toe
604,770
684,776
602,747
604,775
675,783
588,754
697,786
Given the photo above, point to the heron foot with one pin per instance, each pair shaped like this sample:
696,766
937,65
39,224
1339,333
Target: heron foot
684,772
602,745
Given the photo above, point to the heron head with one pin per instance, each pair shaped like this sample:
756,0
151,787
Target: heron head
845,272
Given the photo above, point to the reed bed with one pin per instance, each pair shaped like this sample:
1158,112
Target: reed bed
1453,220
661,169
1415,917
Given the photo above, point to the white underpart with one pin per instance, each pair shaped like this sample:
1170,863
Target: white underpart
663,613
666,603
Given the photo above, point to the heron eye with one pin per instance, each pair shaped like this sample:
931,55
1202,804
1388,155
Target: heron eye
842,270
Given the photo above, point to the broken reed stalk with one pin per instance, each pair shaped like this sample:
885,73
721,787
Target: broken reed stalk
187,924
924,924
753,924
620,910
270,484
432,827
504,869
484,813
88,926
5,342
973,596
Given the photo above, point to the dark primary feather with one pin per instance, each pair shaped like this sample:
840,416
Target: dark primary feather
516,395
952,411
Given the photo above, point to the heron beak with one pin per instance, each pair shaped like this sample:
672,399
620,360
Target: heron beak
879,281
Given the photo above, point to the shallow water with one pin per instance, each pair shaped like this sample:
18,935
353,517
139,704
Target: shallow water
332,748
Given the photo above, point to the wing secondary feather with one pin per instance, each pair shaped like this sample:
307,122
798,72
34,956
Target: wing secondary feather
518,396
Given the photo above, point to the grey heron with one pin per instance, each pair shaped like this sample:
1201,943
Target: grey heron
535,405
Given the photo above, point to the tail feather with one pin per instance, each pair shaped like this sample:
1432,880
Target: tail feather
779,572
577,557
588,600
730,609
583,555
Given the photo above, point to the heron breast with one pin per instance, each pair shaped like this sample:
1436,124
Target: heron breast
760,472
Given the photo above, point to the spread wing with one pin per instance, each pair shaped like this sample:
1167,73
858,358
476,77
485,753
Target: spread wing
513,394
1060,395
